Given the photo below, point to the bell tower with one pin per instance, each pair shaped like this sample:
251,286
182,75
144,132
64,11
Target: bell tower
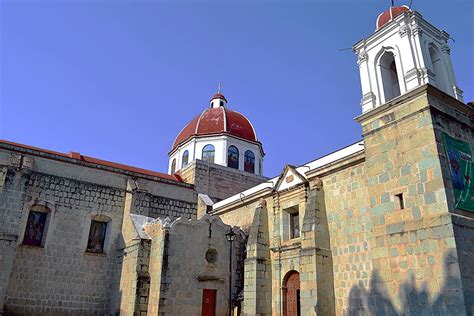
405,52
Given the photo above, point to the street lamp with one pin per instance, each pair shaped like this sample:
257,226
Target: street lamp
230,238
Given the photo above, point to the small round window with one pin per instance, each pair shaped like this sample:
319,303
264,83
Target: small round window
211,255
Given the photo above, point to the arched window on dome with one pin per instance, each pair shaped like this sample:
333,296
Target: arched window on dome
233,157
208,153
184,161
249,161
389,72
173,166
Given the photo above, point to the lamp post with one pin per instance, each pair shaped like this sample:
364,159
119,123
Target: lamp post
230,238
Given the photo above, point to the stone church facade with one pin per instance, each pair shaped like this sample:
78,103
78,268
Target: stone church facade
377,227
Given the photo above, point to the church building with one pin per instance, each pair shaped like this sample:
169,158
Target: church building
384,226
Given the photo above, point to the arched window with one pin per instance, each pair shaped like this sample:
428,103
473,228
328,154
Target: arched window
388,69
249,161
233,157
184,161
208,153
173,166
438,69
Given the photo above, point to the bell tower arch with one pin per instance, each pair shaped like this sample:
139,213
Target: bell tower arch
403,53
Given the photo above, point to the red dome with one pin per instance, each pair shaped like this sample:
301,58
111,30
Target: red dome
218,96
217,121
390,14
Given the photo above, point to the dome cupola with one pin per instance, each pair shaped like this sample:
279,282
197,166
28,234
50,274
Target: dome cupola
218,135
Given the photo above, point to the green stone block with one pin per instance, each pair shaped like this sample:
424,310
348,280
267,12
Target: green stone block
388,166
424,120
388,145
426,246
403,181
395,228
431,260
403,264
393,252
416,212
428,163
420,188
450,242
442,231
384,177
421,234
423,176
430,198
385,198
406,170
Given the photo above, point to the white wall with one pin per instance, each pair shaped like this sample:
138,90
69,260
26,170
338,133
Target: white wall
221,144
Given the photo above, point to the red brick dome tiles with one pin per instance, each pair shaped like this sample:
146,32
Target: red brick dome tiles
217,121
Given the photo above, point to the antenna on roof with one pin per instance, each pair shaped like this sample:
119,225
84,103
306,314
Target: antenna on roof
393,4
219,87
409,7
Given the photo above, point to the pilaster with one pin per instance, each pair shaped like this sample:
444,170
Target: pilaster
258,274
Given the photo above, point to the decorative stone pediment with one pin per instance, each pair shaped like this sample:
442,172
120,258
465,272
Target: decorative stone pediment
289,178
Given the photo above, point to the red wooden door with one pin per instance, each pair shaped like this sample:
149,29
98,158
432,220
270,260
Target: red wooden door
209,302
292,297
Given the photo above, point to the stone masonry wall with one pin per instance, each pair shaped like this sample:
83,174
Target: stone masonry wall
61,277
219,182
184,271
450,117
346,203
413,249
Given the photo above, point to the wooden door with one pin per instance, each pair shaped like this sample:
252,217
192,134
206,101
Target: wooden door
209,302
292,297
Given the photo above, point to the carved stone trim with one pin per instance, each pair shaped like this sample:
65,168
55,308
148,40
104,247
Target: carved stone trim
362,57
404,30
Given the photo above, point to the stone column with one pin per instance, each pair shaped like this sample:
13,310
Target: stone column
316,275
134,279
257,269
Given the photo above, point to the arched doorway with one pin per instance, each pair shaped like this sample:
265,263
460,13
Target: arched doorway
292,306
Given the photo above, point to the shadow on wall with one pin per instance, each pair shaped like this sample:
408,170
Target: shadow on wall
413,300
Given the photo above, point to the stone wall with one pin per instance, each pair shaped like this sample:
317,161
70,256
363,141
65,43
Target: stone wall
415,266
382,256
451,117
217,181
61,277
182,271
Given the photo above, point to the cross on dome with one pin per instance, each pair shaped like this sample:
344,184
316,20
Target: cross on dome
218,99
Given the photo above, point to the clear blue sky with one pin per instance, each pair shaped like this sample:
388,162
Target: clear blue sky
117,80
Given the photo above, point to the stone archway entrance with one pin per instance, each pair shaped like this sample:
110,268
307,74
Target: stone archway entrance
292,306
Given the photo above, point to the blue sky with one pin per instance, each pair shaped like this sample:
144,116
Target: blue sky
117,80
